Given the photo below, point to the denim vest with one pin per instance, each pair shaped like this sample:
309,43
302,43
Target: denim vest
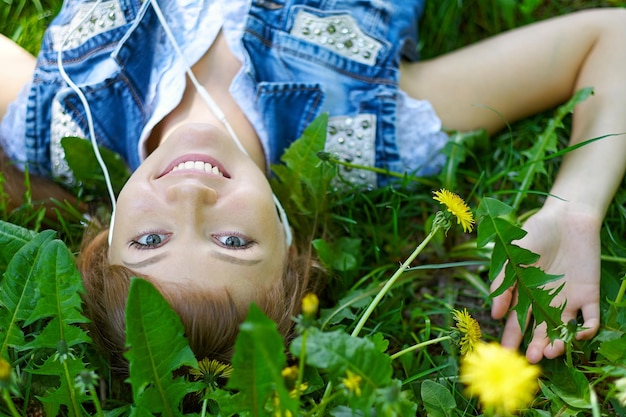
300,58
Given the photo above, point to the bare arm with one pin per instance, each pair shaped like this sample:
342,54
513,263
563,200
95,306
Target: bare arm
523,72
12,79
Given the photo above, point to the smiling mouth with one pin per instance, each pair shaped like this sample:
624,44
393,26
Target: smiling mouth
198,166
196,163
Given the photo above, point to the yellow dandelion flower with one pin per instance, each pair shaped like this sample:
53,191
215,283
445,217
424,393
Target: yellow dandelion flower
5,370
310,304
457,207
210,371
469,329
501,378
352,382
5,373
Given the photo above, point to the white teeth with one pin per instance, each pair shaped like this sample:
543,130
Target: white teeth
198,165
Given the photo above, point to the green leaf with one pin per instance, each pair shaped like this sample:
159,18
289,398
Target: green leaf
60,285
12,238
336,352
341,255
303,180
63,393
18,292
545,143
528,280
437,399
82,161
156,348
570,384
258,361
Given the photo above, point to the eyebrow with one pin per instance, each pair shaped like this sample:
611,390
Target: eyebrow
218,255
145,262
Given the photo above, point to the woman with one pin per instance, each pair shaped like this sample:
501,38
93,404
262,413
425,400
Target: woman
197,217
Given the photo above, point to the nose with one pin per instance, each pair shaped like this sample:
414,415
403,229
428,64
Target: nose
195,194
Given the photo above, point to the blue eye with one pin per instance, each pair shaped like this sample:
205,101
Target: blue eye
148,241
234,241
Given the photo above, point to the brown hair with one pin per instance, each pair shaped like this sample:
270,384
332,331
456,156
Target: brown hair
211,319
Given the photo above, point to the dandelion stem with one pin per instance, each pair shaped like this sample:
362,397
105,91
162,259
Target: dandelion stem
392,280
9,403
96,402
301,365
419,346
204,404
350,165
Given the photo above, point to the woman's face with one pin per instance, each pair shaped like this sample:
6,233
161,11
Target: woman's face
198,211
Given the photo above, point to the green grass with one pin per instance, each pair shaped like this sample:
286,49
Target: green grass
377,230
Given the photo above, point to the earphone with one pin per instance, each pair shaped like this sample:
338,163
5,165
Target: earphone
204,94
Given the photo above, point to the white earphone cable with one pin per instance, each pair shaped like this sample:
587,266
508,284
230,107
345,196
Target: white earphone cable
214,107
90,124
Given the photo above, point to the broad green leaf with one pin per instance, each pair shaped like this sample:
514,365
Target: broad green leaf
570,384
85,168
341,255
302,178
18,291
156,348
60,285
258,361
12,238
337,352
614,350
437,399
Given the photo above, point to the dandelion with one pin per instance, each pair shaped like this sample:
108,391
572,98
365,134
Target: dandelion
501,378
352,382
457,207
211,371
620,385
469,330
310,304
5,371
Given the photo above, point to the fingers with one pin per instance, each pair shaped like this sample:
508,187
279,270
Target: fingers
591,325
512,335
503,302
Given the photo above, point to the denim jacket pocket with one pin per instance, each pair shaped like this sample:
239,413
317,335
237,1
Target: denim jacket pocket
287,109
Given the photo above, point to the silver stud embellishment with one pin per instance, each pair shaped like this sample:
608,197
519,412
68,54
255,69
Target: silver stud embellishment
352,139
340,34
107,16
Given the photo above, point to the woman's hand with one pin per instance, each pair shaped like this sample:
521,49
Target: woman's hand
568,243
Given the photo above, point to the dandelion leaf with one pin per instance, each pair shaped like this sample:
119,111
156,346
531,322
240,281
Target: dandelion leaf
63,393
337,352
257,364
12,238
303,180
60,285
437,399
18,291
529,281
156,348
